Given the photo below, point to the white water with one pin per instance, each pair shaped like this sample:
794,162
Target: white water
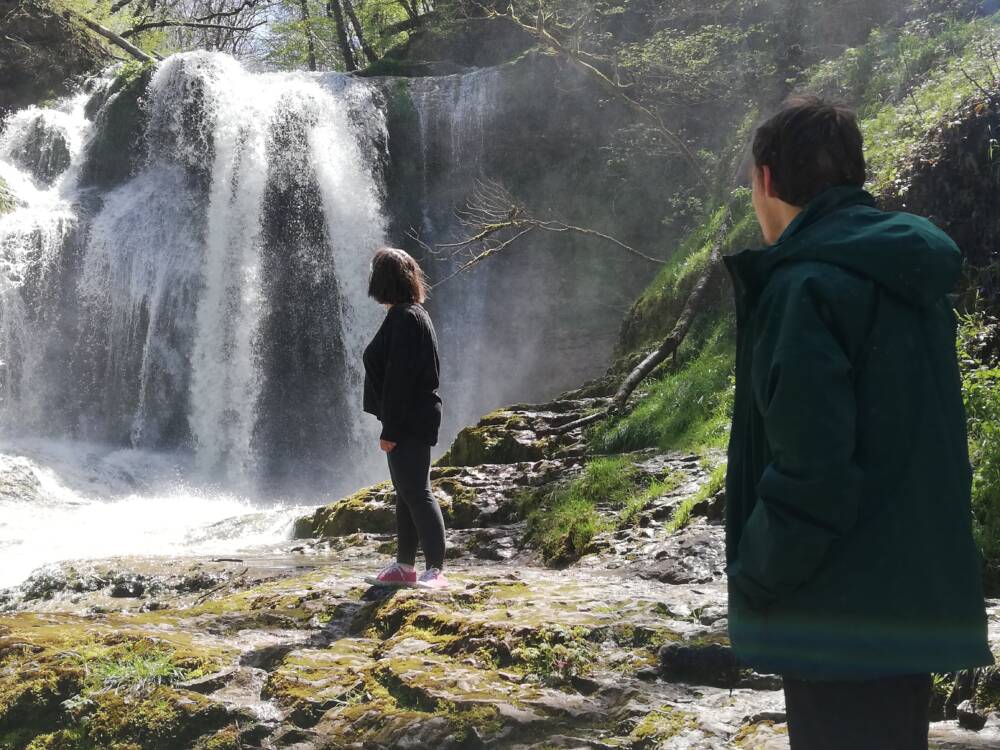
70,501
165,307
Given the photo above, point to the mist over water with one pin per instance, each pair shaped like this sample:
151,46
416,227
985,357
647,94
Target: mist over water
202,320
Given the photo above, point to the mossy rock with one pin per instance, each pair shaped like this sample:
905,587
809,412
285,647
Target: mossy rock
225,739
163,718
459,506
115,149
499,438
31,692
659,726
371,510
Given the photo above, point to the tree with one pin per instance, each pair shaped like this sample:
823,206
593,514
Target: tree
336,12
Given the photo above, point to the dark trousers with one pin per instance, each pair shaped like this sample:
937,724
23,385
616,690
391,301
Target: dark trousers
885,714
418,515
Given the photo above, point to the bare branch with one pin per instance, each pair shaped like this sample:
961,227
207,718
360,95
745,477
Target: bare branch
494,220
170,24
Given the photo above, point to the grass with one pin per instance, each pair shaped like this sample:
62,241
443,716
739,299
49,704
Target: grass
904,82
682,513
685,408
133,667
562,522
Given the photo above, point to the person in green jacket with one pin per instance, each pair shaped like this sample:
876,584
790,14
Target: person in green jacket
850,557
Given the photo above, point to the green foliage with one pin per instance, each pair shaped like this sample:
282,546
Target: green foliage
555,657
906,82
981,390
891,63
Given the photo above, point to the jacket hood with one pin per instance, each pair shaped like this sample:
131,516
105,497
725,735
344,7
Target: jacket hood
904,253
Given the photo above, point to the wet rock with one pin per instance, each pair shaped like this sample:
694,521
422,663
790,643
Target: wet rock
210,683
696,554
704,664
969,717
49,52
43,149
125,586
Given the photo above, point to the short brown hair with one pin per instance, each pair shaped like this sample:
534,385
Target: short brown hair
810,145
396,278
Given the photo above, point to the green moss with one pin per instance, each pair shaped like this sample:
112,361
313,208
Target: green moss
748,737
493,441
366,510
66,739
661,725
553,656
163,718
486,720
225,739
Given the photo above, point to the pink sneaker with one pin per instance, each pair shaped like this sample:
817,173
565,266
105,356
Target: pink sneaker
432,578
393,575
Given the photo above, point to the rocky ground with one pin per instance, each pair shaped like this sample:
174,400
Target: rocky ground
625,647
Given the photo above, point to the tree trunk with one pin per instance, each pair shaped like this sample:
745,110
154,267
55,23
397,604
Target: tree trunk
411,10
310,42
335,11
111,36
359,32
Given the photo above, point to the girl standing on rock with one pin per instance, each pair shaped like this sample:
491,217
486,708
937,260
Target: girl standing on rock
401,381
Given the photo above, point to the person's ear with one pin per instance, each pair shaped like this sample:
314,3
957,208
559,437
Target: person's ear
766,182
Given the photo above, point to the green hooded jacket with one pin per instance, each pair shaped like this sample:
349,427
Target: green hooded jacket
848,525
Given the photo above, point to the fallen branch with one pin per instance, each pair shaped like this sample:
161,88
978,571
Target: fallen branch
111,36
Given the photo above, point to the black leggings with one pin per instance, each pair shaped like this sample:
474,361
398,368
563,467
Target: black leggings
418,515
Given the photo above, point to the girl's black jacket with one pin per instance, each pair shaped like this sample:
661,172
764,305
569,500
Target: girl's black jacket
401,375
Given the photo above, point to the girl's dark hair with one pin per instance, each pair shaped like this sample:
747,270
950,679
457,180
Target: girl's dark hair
396,278
810,145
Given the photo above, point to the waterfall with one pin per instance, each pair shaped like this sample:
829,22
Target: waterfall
214,301
183,308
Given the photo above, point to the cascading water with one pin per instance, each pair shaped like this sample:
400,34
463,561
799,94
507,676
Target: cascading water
209,309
